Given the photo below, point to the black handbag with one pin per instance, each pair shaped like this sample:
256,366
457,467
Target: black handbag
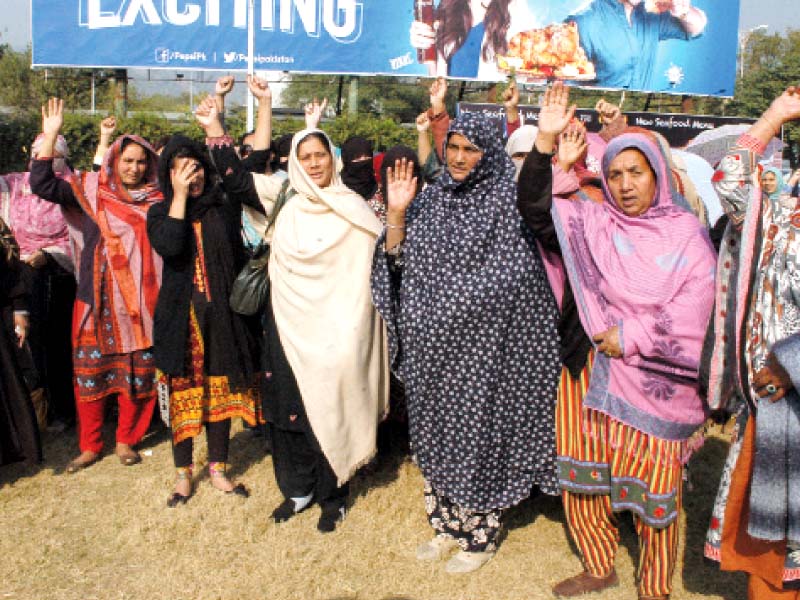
251,286
250,289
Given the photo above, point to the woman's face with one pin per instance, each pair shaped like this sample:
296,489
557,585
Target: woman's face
132,166
462,156
198,178
769,183
632,182
316,161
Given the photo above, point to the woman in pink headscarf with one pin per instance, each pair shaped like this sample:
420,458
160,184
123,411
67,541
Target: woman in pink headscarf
47,267
640,273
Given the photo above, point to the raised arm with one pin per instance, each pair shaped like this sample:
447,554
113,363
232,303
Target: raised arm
423,139
107,128
534,189
262,136
511,107
314,111
239,184
735,180
44,182
401,188
440,120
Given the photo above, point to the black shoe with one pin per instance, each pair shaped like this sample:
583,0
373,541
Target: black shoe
176,499
330,517
239,490
285,511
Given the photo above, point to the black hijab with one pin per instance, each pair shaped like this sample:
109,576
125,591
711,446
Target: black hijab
359,176
229,344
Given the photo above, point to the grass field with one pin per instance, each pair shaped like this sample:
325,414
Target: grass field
106,534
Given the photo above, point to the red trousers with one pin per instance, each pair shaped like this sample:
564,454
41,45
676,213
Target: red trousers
133,421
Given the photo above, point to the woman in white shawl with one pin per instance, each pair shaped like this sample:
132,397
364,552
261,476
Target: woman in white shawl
325,357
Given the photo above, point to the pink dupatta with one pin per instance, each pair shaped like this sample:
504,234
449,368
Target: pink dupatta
653,276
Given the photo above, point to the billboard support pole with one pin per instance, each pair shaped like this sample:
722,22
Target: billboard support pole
120,83
339,96
250,52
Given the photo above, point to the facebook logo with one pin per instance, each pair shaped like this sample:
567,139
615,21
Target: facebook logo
162,55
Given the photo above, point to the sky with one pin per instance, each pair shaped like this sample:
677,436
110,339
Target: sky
15,29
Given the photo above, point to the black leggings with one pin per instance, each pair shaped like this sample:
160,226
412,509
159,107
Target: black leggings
217,436
301,469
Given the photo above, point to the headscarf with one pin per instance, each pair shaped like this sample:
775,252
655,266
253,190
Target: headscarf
653,276
331,334
358,175
121,216
521,141
195,207
477,326
283,146
37,224
227,342
781,188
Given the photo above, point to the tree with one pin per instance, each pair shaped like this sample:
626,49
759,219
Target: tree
27,89
380,96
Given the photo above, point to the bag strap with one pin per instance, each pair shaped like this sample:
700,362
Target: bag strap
283,197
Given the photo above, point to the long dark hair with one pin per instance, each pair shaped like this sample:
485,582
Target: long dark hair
455,22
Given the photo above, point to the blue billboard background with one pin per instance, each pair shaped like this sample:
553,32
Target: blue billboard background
321,36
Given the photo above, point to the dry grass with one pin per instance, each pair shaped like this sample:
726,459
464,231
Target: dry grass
106,534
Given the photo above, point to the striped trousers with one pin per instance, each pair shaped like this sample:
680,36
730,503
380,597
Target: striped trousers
605,467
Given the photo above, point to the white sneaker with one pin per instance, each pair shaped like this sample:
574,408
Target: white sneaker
466,562
436,548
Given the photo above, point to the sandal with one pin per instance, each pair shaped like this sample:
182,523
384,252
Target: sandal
182,474
218,470
128,456
85,459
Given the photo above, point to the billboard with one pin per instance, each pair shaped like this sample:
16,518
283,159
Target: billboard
593,43
678,129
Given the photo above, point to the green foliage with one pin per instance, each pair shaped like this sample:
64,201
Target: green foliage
402,98
27,89
384,133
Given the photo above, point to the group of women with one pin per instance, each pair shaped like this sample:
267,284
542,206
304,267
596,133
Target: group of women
547,320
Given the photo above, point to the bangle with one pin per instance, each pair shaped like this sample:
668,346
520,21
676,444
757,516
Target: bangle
390,226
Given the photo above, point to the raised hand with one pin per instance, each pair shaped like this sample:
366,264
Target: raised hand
259,88
314,111
108,126
438,93
572,145
401,188
785,107
511,96
52,117
207,116
423,122
555,113
224,85
608,112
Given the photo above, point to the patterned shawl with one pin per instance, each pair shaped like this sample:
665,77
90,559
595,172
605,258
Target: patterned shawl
473,334
124,250
653,276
